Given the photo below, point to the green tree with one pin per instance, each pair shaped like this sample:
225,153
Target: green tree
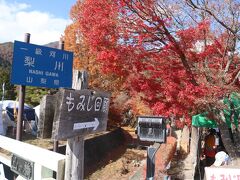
34,95
5,79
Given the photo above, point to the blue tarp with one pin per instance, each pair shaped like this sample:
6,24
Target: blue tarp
10,105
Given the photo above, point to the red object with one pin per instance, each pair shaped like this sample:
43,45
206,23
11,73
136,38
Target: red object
159,64
209,149
164,155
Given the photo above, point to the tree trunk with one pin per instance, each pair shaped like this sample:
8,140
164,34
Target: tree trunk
194,144
231,147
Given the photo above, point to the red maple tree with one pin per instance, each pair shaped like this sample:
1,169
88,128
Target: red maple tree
173,68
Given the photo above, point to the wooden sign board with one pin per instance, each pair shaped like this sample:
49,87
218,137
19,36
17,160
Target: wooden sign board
79,113
22,167
222,173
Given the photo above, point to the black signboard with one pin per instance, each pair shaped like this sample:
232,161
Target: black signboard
22,167
152,128
79,113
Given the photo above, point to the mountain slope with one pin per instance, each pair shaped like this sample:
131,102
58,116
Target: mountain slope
6,52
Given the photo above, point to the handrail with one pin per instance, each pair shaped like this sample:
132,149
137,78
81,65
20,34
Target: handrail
38,155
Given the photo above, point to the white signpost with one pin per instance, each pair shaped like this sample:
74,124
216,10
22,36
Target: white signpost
2,174
80,113
1,121
2,132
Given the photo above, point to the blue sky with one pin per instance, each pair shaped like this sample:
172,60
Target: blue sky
59,8
45,20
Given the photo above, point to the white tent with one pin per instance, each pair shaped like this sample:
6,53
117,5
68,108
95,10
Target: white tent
37,111
7,115
5,120
11,104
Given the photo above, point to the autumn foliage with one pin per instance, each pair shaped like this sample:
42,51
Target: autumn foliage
162,65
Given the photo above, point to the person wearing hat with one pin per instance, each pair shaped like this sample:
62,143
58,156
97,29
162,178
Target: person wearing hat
221,159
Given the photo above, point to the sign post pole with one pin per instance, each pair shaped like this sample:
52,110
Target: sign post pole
79,113
55,142
1,122
151,151
75,147
21,101
151,128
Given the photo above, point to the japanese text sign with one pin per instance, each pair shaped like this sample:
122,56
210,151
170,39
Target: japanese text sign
22,167
222,173
80,112
41,66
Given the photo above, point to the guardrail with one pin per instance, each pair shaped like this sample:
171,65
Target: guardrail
45,161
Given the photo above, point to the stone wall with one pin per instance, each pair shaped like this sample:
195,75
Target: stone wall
97,147
45,122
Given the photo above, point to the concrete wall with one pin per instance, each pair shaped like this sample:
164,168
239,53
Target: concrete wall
96,148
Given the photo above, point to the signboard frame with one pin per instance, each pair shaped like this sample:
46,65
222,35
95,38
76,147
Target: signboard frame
41,66
149,128
79,113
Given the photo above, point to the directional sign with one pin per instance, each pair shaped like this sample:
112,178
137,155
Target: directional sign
85,125
41,66
79,113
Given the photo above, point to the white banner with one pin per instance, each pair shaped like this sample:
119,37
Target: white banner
214,173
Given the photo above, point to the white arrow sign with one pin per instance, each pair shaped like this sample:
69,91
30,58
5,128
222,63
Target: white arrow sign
84,125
